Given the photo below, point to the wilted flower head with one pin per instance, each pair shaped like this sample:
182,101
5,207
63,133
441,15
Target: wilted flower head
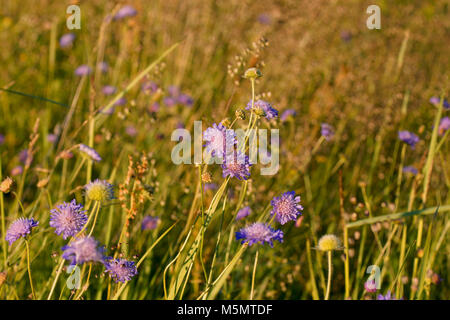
108,90
150,223
259,232
219,139
444,125
83,250
327,131
68,219
244,212
6,184
83,70
99,190
20,229
329,242
90,152
124,12
410,169
286,207
261,105
289,113
236,165
436,101
66,40
408,137
120,270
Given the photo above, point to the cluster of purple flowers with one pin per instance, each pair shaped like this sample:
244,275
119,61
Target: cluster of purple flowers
436,101
327,131
20,228
175,96
409,138
269,112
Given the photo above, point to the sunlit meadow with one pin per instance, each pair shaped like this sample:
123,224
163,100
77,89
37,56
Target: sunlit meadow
94,207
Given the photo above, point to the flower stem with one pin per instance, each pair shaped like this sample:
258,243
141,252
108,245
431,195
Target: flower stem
253,276
327,295
29,269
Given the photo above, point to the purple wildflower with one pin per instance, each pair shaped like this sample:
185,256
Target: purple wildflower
120,270
149,86
370,285
66,40
410,169
154,107
83,70
125,12
99,190
244,212
173,91
388,296
435,101
68,219
170,101
131,131
264,18
104,67
20,229
219,139
90,152
52,138
16,170
236,165
2,139
444,125
270,113
25,157
326,131
288,114
108,111
150,223
259,232
108,90
122,101
286,207
210,186
408,137
83,250
185,99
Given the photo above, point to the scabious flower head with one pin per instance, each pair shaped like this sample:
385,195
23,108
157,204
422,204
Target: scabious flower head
444,125
83,250
149,86
99,190
410,169
370,285
259,232
83,70
150,223
108,90
327,131
244,212
16,170
120,270
261,105
289,113
185,99
20,229
236,165
286,207
125,12
329,242
170,101
408,137
90,152
66,40
68,219
219,139
436,101
388,296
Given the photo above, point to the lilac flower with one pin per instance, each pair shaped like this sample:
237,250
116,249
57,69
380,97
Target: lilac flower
269,112
444,125
20,228
109,111
120,270
16,170
24,156
388,296
259,233
210,186
326,131
409,138
219,139
90,152
149,86
173,91
52,138
122,101
244,212
264,18
185,99
410,169
170,101
66,40
154,107
2,139
286,207
83,250
436,101
124,12
288,114
83,70
131,131
99,190
150,223
236,165
370,285
68,219
108,90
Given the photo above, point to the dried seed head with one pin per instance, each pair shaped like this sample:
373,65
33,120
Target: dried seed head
252,73
206,177
6,185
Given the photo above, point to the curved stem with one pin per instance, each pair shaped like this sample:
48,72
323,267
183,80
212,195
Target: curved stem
97,209
329,275
253,276
29,269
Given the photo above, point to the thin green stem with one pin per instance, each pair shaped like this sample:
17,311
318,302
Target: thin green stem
327,295
29,269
